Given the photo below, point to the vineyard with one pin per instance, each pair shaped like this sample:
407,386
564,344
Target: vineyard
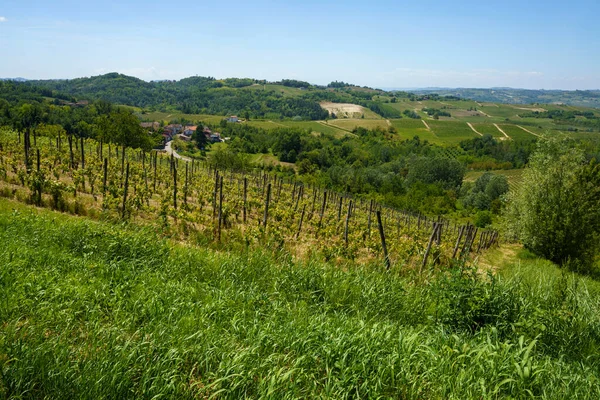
194,202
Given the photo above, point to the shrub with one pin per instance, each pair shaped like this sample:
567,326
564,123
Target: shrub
556,210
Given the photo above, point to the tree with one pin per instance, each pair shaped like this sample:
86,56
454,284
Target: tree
556,210
447,173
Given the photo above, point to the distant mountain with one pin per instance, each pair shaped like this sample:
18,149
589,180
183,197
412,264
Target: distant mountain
582,98
14,79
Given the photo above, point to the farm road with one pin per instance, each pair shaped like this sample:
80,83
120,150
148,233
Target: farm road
169,150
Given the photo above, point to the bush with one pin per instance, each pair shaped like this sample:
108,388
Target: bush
556,211
483,219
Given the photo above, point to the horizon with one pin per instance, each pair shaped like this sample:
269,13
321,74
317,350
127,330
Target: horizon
386,89
535,46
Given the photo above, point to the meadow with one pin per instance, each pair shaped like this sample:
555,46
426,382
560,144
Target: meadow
99,310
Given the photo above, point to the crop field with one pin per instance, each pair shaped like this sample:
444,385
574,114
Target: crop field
286,91
314,126
168,116
180,199
350,124
516,133
451,132
499,110
408,128
514,176
322,127
265,124
488,128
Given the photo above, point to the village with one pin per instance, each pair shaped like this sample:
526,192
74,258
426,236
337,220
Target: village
186,132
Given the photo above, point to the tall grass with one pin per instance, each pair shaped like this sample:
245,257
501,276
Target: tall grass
91,310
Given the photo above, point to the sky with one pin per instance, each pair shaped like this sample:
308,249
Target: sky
379,43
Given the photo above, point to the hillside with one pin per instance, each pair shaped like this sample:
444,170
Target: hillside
104,311
205,95
581,98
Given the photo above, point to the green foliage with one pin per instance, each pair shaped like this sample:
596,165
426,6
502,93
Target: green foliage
556,210
448,173
486,191
227,159
95,310
483,219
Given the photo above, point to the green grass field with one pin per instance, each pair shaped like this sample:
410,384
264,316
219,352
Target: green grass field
93,310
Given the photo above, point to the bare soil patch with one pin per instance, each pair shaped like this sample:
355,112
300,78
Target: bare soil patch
343,110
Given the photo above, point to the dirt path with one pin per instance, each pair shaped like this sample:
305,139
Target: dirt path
169,150
504,133
426,126
473,129
528,131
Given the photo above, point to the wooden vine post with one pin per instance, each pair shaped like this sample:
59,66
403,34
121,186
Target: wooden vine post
346,223
123,210
104,175
431,238
82,154
382,235
323,208
215,194
266,215
460,235
301,219
174,187
244,207
220,209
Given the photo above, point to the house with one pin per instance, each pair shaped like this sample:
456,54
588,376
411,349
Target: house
214,137
189,130
174,128
167,137
233,118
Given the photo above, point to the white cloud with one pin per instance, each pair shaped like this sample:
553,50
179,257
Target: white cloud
3,19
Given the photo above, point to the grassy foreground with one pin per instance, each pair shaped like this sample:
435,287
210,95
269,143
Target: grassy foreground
92,310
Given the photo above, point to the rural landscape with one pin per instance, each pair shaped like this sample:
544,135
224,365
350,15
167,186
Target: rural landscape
175,235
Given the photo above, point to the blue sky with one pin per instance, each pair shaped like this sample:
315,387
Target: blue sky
387,44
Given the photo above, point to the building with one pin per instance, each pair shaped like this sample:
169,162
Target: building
174,129
233,118
189,130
